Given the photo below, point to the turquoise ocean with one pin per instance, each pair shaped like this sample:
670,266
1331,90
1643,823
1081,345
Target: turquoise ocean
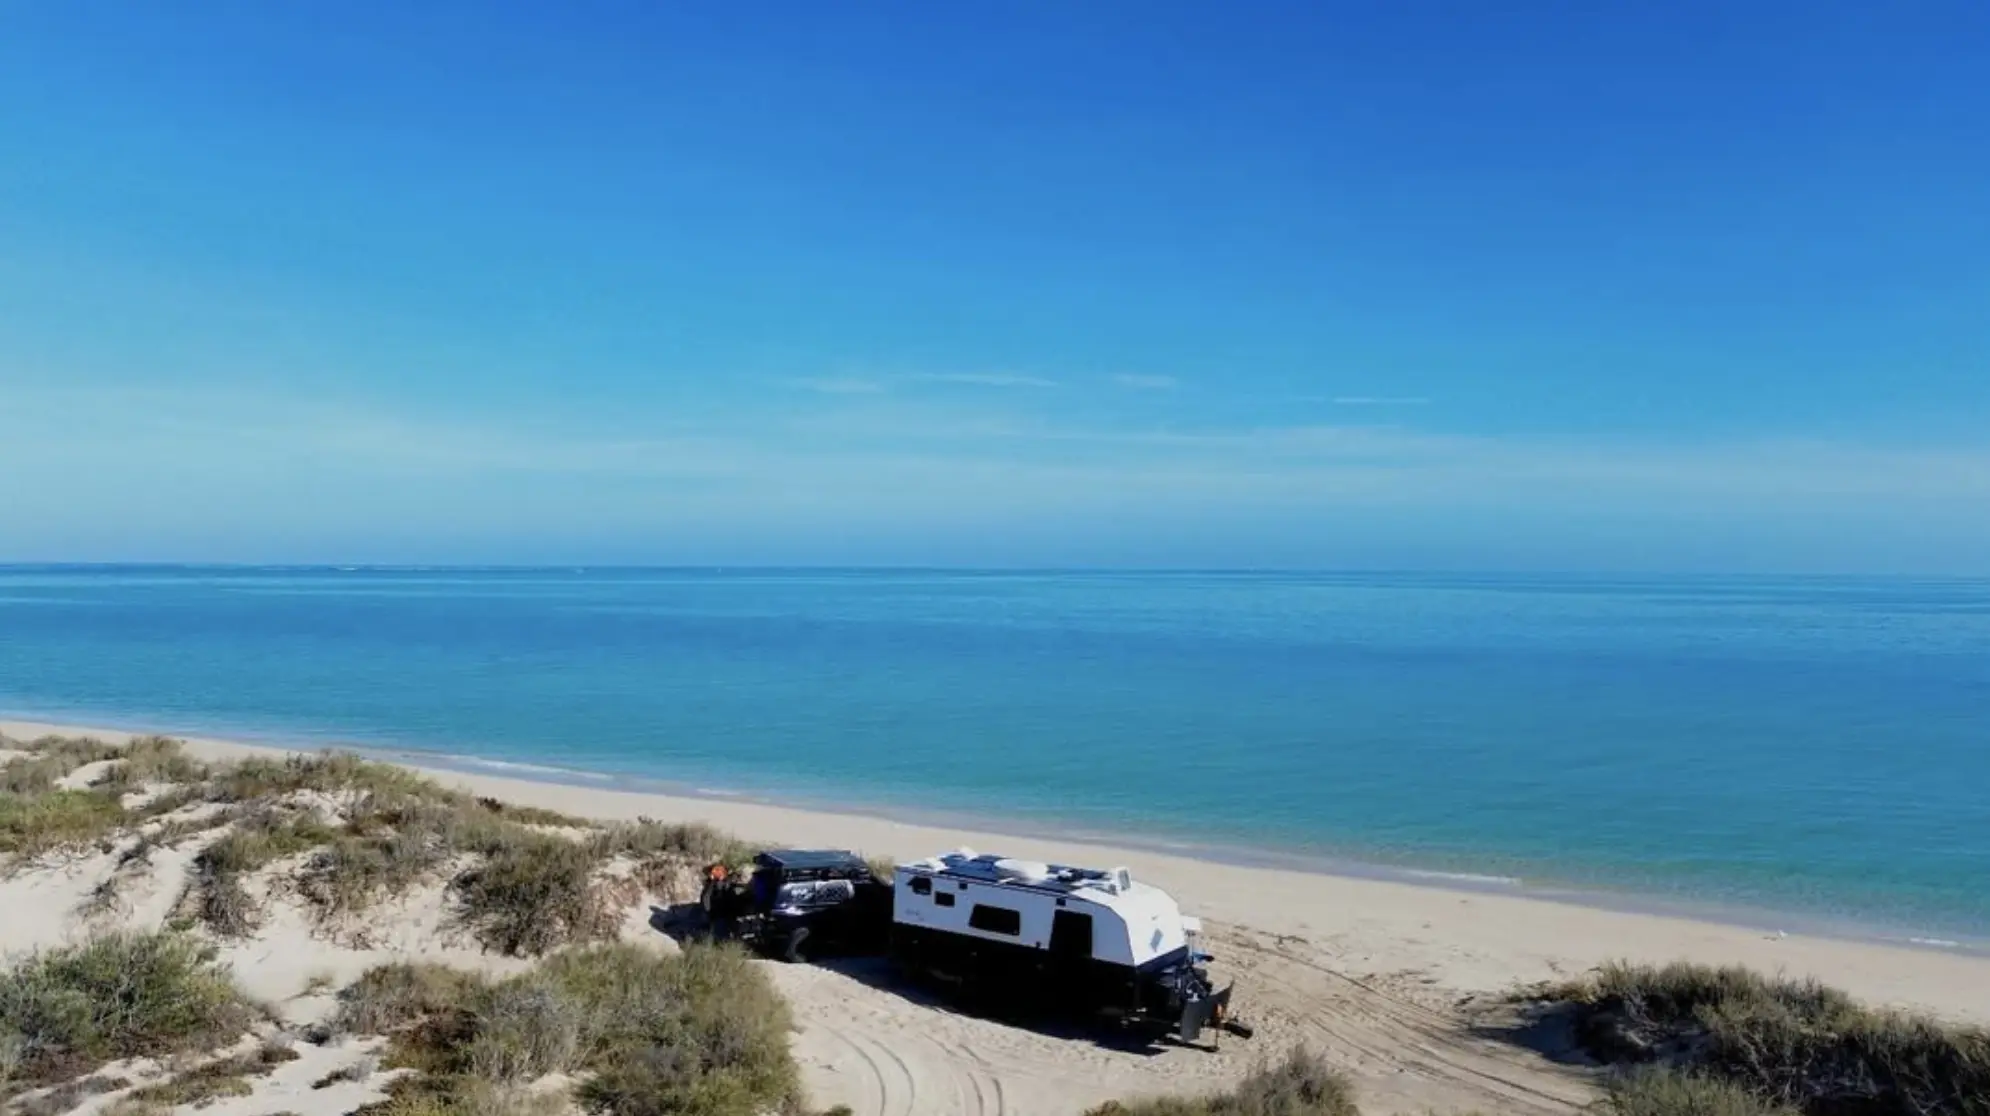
1813,752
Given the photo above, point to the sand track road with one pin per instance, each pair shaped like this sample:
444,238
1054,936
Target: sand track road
885,1052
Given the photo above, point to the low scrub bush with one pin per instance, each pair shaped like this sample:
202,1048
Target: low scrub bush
52,820
117,996
350,873
692,843
262,777
1657,1091
257,840
534,894
702,1033
698,1034
32,775
37,816
1794,1044
1300,1085
151,760
389,999
53,758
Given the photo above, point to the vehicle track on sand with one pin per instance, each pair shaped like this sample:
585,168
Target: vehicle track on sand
864,1043
1403,1054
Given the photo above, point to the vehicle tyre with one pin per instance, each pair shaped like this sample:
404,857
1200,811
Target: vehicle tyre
793,950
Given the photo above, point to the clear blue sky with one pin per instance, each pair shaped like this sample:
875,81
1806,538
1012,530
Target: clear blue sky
1576,285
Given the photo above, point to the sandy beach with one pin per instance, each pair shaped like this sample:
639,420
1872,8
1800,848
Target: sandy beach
1389,979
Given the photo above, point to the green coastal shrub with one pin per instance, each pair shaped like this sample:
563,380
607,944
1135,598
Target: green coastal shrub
38,817
117,996
702,1033
47,821
534,894
389,999
1791,1044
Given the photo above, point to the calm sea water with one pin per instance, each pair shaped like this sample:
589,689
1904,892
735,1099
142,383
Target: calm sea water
1814,746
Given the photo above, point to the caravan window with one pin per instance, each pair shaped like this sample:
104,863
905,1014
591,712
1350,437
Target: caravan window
922,885
995,920
944,899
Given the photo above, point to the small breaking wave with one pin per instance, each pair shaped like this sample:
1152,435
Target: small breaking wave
527,768
1461,877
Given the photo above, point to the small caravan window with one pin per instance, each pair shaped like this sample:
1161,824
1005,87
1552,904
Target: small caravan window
995,920
922,885
944,899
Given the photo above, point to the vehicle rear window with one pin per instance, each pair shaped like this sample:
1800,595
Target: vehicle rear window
995,920
943,899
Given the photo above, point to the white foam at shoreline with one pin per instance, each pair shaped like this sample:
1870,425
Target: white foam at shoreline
1459,877
507,765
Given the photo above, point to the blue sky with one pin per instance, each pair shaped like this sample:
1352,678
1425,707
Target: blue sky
1577,285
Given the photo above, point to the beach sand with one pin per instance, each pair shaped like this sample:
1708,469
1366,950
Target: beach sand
1397,983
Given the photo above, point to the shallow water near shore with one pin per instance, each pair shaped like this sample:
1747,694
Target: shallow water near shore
1814,746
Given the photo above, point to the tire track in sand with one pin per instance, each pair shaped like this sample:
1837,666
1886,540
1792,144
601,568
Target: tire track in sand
884,1052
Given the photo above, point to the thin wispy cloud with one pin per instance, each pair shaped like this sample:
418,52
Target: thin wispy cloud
987,379
1133,381
230,465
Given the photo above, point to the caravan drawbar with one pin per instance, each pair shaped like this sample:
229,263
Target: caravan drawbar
1086,938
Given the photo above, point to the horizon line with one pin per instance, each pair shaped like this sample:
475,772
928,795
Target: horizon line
11,566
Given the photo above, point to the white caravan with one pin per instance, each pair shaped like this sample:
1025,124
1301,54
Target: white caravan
1087,938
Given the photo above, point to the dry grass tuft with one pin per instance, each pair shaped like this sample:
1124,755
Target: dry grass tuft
258,839
38,817
1300,1085
534,894
152,760
1656,1091
1794,1045
54,757
226,1077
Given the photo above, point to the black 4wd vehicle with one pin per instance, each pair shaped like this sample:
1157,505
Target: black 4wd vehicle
800,903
